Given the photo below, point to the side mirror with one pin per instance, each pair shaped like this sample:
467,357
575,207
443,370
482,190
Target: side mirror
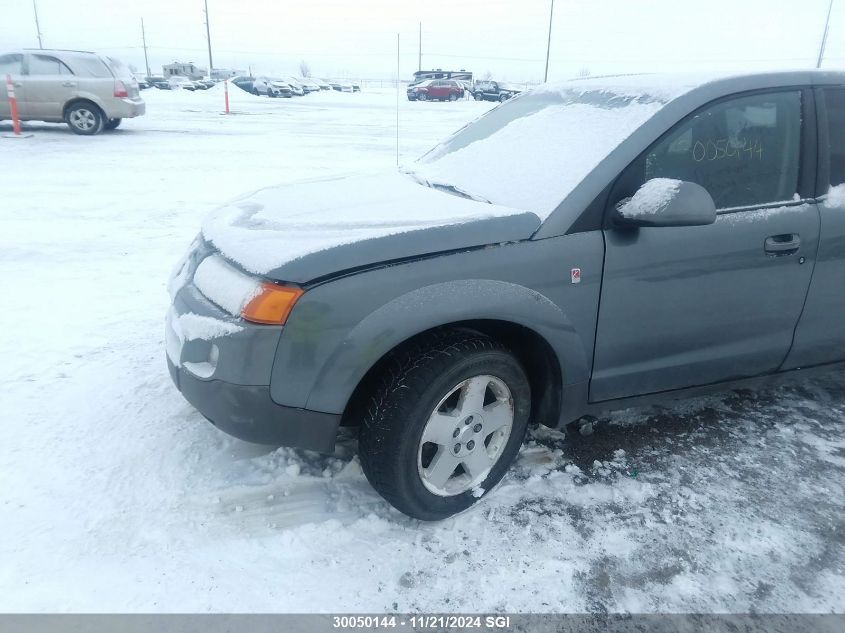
667,202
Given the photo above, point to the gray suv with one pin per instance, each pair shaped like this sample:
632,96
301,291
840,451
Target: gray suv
90,92
582,247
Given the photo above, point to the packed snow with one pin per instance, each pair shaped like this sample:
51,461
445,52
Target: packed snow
117,495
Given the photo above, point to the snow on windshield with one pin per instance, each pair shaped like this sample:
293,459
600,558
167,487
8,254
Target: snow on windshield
531,152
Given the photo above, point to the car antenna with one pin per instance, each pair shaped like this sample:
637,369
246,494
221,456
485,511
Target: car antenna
397,99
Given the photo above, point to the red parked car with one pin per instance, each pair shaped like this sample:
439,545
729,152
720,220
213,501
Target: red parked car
436,90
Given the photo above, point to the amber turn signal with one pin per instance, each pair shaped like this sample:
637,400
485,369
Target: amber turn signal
272,304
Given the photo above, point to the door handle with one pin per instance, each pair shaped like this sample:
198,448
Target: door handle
785,244
69,84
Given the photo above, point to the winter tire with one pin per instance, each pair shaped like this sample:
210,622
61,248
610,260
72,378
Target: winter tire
444,424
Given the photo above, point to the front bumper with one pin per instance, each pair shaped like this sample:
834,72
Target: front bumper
249,413
226,373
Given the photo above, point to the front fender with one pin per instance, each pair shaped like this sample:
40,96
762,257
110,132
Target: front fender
436,305
339,329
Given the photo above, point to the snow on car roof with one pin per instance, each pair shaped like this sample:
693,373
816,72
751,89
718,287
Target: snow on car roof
661,86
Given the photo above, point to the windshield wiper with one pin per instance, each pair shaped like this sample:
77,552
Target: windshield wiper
441,186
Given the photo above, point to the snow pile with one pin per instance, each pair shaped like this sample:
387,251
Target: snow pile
651,198
279,224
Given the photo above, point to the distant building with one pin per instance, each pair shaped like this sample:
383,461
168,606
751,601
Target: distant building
189,70
226,73
463,75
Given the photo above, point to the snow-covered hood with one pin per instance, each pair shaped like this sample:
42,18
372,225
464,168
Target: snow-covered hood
311,229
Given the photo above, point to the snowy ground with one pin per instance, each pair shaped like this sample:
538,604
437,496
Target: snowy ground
115,495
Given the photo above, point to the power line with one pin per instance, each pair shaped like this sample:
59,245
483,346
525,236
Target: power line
527,60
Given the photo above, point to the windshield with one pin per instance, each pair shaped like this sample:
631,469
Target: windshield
531,151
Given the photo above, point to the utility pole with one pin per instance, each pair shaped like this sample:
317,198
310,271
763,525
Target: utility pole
144,40
208,36
419,62
549,45
824,37
37,26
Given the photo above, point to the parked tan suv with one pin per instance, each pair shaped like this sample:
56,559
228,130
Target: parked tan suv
90,92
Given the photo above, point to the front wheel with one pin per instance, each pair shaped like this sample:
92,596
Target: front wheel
422,96
85,118
453,96
503,97
445,423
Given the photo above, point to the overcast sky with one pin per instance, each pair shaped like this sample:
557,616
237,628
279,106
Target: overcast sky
357,39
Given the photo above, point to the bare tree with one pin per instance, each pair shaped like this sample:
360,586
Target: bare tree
584,72
304,69
488,76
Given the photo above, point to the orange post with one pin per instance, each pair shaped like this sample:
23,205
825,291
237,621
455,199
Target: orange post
226,93
13,102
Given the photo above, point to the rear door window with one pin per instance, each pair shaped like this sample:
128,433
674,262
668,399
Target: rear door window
47,65
744,151
90,66
835,106
11,64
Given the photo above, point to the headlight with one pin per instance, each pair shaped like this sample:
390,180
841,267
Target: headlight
242,295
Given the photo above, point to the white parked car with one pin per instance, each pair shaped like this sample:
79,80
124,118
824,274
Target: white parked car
309,85
271,87
295,85
181,83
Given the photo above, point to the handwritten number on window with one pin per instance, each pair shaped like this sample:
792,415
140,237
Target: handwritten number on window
719,149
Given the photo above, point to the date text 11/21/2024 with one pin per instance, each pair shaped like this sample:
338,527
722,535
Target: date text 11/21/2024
421,622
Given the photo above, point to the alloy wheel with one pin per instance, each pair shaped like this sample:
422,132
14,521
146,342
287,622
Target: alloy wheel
465,435
83,119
